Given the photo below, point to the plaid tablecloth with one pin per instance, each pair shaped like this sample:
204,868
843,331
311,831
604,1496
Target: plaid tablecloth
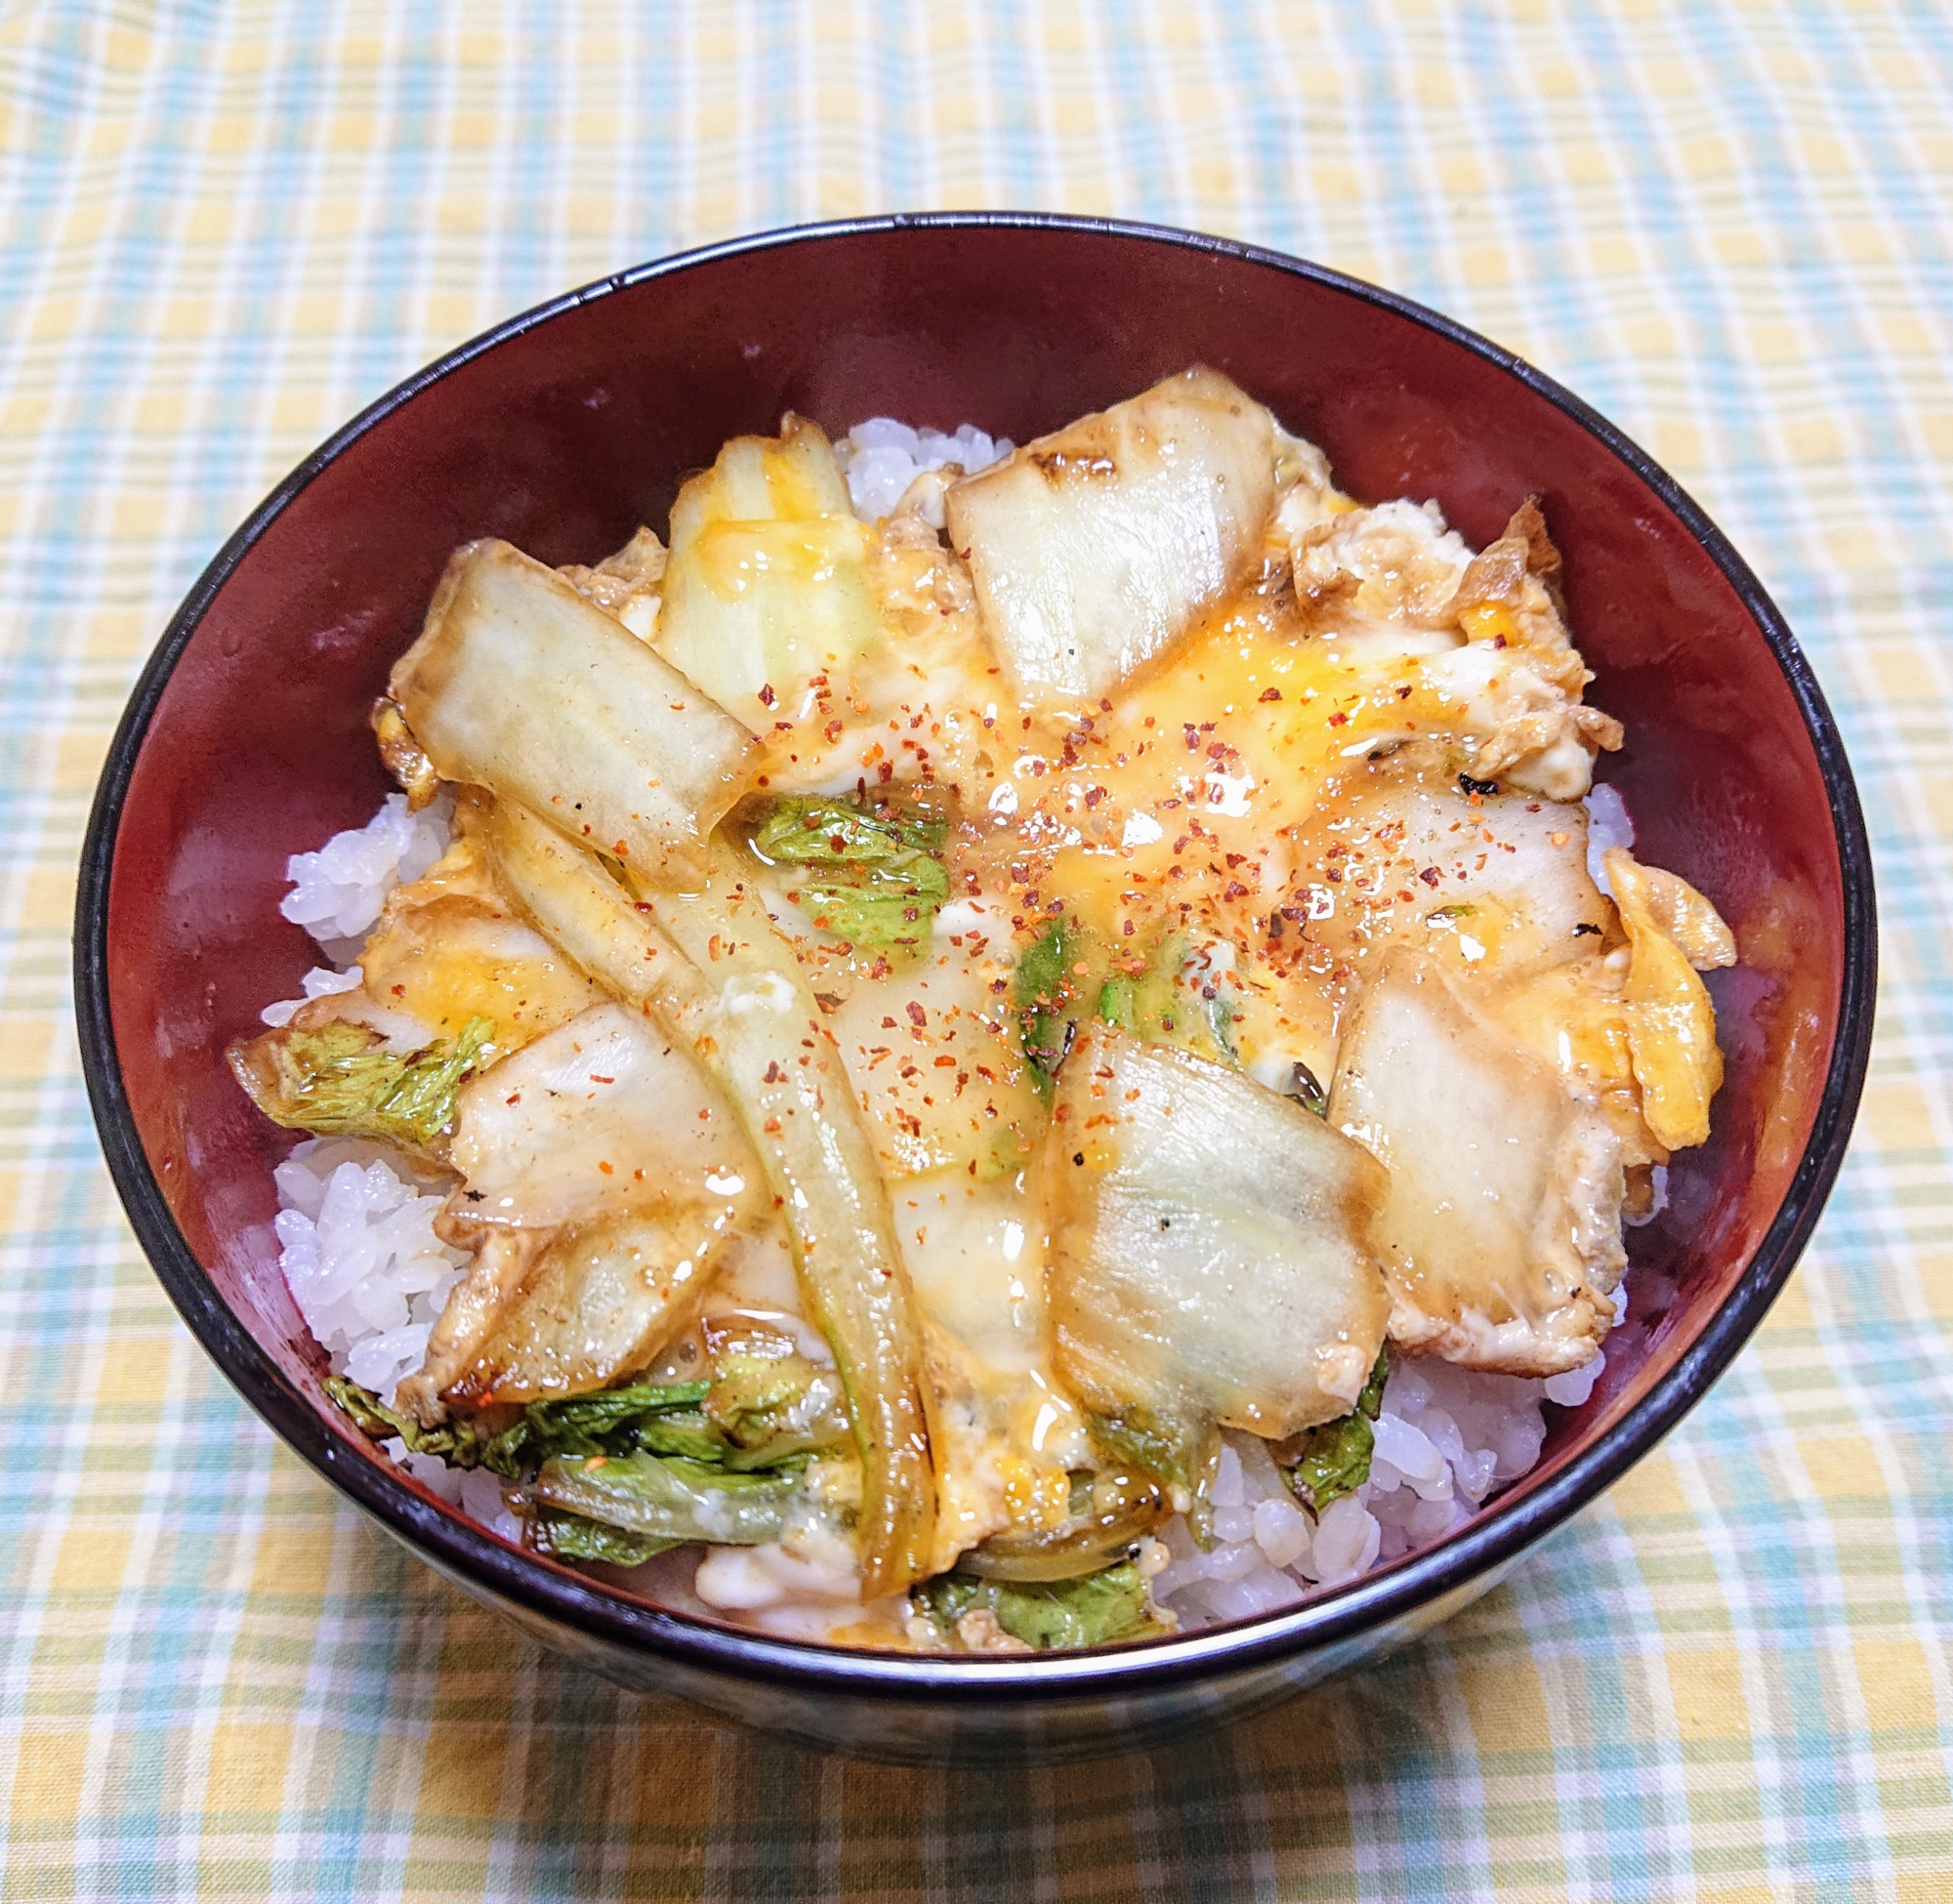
225,227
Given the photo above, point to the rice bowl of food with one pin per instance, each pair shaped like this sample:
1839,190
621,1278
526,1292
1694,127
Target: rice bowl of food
990,1019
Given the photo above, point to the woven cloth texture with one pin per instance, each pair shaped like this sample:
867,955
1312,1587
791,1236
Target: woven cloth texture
226,227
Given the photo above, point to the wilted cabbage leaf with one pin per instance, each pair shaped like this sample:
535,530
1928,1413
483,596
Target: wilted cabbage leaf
573,1537
340,1081
875,880
461,1442
1092,1610
1334,1460
668,1497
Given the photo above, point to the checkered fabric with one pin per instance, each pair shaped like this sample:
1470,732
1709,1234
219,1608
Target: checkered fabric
224,224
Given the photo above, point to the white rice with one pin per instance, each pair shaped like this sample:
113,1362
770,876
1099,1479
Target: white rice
475,1491
1608,825
321,981
882,457
1446,1439
337,893
362,1258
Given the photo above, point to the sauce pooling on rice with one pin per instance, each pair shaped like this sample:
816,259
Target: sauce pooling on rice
1010,1045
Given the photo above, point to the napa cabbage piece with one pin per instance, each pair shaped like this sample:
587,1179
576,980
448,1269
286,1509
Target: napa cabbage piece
1211,1258
520,684
1328,1461
684,1419
668,1498
768,584
607,1112
871,875
939,1069
572,1537
461,1443
714,972
1673,931
565,1311
1093,550
1108,1509
1051,994
1093,1609
617,1422
1500,1230
1166,997
339,1080
766,1402
1405,852
651,1415
603,1175
1159,994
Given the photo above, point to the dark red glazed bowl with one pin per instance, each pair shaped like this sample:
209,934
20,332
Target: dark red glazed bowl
246,740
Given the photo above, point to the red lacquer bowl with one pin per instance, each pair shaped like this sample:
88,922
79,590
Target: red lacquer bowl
246,740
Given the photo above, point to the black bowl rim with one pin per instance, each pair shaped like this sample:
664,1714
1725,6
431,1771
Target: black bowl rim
560,1596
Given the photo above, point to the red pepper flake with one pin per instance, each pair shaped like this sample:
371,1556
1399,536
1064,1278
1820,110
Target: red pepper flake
598,1078
1271,694
917,1016
1094,795
1431,876
1235,859
767,694
1339,719
774,1075
605,1167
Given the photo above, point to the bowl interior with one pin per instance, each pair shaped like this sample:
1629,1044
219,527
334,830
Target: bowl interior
567,432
